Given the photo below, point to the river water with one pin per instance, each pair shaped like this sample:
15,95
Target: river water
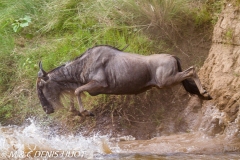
34,142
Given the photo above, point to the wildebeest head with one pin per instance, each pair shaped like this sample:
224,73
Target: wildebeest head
47,90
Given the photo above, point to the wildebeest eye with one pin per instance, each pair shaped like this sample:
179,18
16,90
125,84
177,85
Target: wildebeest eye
41,83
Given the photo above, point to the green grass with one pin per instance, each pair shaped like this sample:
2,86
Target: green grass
60,30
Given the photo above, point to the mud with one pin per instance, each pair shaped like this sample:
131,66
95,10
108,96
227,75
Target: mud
185,143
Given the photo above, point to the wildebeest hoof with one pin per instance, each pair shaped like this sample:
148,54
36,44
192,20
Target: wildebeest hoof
85,113
91,114
206,96
209,97
73,110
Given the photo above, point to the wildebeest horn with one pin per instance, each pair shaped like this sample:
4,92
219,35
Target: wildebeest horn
41,73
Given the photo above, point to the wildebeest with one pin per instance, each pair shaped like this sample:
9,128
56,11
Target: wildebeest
107,70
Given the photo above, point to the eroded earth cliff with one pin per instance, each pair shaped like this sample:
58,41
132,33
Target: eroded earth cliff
221,73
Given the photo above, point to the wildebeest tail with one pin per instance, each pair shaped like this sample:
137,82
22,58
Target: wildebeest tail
189,85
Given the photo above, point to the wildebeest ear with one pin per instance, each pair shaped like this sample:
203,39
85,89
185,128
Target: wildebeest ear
41,73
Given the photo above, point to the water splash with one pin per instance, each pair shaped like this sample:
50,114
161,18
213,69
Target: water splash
32,141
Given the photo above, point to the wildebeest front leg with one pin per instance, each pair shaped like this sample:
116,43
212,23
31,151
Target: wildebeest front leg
80,103
82,112
89,87
72,108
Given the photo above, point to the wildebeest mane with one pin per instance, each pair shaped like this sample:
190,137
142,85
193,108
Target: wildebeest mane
106,46
89,50
56,68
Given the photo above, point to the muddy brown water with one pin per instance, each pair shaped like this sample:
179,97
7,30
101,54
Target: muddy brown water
33,142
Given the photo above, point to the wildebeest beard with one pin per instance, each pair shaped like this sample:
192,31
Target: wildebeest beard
47,107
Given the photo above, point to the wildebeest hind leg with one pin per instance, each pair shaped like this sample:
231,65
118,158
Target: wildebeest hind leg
89,87
191,73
